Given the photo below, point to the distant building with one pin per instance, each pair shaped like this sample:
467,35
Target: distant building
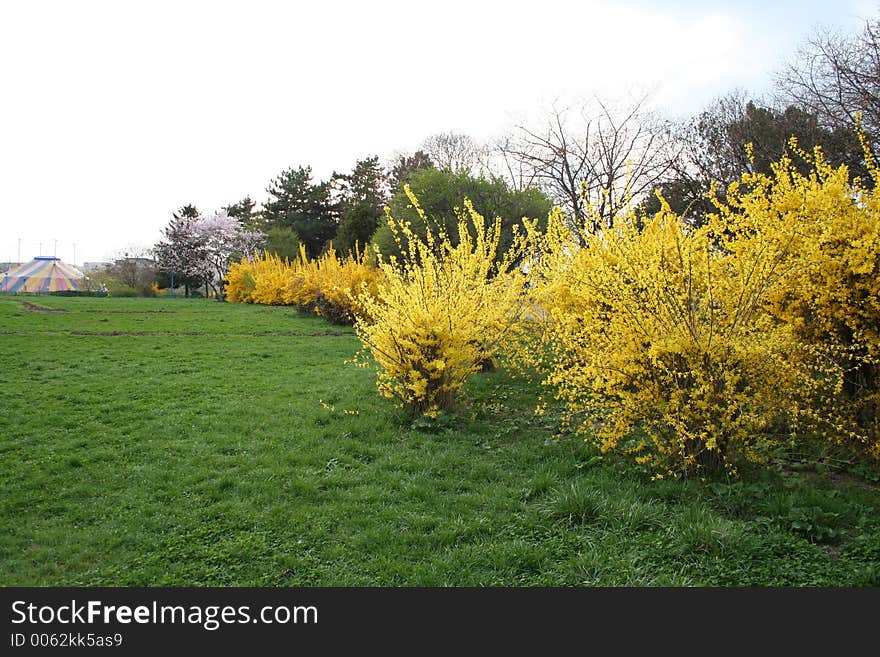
88,267
6,266
143,263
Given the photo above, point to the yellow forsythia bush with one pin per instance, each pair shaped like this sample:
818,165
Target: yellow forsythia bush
657,341
240,282
333,287
326,286
343,284
262,279
272,278
442,310
830,295
305,280
689,347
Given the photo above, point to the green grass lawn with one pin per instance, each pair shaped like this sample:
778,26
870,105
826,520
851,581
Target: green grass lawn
148,442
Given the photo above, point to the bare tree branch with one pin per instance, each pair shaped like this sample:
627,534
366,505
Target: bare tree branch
607,159
455,152
837,77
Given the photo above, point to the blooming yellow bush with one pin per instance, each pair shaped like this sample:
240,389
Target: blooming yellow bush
327,285
240,282
830,296
343,284
442,309
263,279
305,280
272,278
658,343
686,347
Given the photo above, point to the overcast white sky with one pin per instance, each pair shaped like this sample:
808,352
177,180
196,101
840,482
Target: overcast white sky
113,114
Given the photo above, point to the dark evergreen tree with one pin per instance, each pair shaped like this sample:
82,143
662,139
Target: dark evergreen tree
404,167
242,210
363,196
188,211
282,242
296,202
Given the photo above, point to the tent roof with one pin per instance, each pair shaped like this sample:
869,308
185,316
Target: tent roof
42,274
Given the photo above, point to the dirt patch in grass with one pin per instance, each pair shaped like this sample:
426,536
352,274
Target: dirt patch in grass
35,308
839,478
834,551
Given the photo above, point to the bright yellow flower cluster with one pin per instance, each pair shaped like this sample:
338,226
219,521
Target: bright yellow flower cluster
830,294
443,309
263,279
690,347
327,285
657,342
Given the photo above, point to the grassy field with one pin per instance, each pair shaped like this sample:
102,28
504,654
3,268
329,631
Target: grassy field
148,442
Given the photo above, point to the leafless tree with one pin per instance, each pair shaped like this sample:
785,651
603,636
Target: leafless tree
455,152
593,168
836,77
504,162
711,149
133,267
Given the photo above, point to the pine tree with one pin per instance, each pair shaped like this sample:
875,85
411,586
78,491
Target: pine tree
364,193
296,202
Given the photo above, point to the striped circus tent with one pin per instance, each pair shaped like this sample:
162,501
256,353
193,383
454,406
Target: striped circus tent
42,274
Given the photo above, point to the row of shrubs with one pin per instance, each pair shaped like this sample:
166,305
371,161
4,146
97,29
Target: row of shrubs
329,286
691,349
79,293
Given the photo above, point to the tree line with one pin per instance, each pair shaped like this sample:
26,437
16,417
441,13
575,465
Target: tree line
592,160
